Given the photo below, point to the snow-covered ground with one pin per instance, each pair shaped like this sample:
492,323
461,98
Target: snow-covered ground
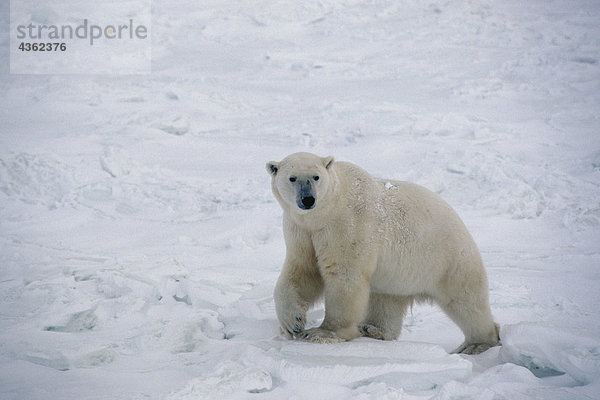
140,242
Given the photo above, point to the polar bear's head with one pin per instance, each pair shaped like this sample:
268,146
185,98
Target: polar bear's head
301,180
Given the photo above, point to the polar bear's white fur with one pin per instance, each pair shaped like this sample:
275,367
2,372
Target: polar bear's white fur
370,248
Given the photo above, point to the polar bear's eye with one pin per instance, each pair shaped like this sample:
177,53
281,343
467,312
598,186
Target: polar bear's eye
316,177
292,179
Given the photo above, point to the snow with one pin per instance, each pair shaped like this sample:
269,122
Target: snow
140,242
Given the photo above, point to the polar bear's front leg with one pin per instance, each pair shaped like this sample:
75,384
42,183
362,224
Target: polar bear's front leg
346,301
296,290
290,308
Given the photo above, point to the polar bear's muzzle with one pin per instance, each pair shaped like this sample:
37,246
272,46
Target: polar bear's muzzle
306,198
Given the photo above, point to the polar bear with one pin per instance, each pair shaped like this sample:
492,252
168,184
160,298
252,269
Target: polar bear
370,248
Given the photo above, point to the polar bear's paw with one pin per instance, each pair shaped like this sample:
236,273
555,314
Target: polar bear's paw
318,335
473,348
293,326
374,332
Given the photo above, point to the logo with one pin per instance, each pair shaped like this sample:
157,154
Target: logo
80,37
47,33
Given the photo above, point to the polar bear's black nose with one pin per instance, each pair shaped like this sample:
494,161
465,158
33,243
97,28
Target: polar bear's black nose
308,202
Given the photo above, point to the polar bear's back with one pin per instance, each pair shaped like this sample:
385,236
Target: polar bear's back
415,230
396,202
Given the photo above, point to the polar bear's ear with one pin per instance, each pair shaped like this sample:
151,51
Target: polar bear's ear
328,161
272,168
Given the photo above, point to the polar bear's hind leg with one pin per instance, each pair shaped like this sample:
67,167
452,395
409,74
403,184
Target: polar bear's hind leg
385,315
475,320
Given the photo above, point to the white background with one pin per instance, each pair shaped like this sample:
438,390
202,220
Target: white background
140,243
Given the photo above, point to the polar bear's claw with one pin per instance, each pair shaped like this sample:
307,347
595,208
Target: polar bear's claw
299,325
